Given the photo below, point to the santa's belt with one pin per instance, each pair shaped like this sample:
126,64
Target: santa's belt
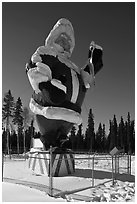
66,104
56,113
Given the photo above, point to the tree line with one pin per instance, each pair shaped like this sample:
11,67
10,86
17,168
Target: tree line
121,135
17,125
18,131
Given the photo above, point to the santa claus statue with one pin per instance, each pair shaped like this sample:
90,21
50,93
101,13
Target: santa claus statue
59,85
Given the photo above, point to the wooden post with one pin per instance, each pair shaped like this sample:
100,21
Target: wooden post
130,164
89,160
8,151
127,163
2,165
118,163
18,148
50,173
115,165
7,134
112,172
93,171
24,141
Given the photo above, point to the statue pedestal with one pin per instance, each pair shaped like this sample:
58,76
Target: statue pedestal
62,163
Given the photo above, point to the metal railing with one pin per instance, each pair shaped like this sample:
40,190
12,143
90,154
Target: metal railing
91,157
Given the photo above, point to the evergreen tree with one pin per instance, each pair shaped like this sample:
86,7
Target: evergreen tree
109,137
73,138
18,121
125,138
80,143
28,138
103,138
13,142
8,106
121,133
128,132
26,117
114,133
130,135
12,139
4,141
132,129
29,135
7,113
90,134
26,121
99,138
32,131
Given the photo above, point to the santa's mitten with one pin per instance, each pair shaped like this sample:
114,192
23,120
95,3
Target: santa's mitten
94,64
95,56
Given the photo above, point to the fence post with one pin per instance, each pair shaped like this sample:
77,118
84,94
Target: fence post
7,132
118,164
93,171
50,173
89,160
130,164
127,163
115,165
112,172
2,165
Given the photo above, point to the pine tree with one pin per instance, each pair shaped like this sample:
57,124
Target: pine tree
108,139
115,130
121,133
26,121
28,135
18,121
125,138
80,144
7,113
99,138
4,141
128,132
73,138
13,139
104,138
132,129
90,134
26,117
32,131
114,133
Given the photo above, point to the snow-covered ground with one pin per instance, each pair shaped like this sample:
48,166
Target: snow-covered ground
78,184
18,193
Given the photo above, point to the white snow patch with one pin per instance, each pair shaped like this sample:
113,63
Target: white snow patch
122,191
18,193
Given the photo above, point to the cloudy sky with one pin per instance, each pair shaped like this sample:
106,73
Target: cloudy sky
111,25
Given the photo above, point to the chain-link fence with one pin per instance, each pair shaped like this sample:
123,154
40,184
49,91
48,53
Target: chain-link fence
86,166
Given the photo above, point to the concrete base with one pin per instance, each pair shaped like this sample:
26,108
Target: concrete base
62,163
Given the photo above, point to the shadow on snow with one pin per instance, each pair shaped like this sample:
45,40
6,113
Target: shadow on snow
98,174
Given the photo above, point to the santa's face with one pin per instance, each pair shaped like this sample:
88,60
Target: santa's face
62,34
64,41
